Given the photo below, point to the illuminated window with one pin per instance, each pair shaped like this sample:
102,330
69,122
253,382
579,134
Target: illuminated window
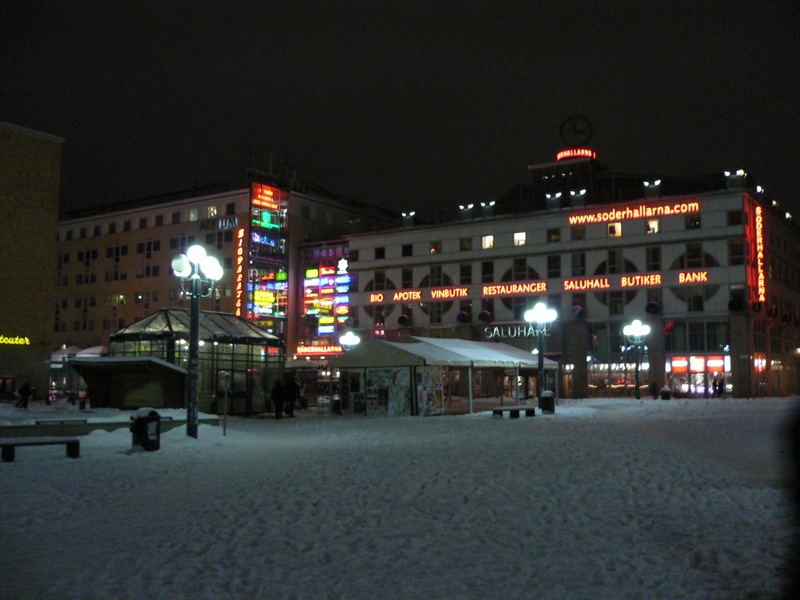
487,242
193,214
653,225
519,238
436,247
615,229
553,235
211,211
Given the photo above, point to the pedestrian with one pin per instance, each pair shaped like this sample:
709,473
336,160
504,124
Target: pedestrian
292,391
278,398
654,389
22,395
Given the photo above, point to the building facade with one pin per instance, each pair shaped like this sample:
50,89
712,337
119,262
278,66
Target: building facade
710,264
113,263
30,180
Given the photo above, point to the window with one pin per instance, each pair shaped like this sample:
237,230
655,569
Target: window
519,269
436,247
578,233
615,261
519,238
553,266
126,226
407,278
578,264
487,242
615,229
653,257
735,252
465,274
487,271
211,211
230,208
82,233
694,300
159,220
616,303
380,280
465,244
553,235
176,218
436,276
693,222
407,249
305,212
653,226
97,230
143,223
694,255
380,253
735,217
193,214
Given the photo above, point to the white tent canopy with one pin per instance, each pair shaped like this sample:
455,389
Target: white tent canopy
421,351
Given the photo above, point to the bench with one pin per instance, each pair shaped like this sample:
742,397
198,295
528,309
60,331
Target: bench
8,445
60,421
513,411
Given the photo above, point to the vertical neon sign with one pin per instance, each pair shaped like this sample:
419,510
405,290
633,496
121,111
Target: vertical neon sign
240,270
761,281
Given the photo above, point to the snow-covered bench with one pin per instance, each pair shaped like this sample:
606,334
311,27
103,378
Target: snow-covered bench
9,445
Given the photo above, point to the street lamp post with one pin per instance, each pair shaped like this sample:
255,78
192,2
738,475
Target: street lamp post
198,272
349,340
543,317
636,331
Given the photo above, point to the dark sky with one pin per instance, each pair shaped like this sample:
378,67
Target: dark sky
405,104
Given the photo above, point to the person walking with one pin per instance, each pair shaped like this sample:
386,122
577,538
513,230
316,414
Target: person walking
278,398
292,391
22,395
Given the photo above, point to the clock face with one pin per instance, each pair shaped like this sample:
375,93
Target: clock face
576,131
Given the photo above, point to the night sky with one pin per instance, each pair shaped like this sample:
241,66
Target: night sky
407,105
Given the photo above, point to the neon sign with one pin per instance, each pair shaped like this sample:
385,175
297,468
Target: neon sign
239,286
318,350
576,153
761,282
642,211
515,289
640,280
16,340
693,277
594,283
266,196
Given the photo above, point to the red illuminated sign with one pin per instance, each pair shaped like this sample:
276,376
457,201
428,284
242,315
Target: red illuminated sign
576,153
693,277
641,211
514,289
640,280
761,281
266,196
593,283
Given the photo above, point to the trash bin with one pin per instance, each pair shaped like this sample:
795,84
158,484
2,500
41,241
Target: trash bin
146,429
665,393
547,402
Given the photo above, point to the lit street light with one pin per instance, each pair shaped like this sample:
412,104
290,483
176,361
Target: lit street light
199,272
543,317
349,340
636,332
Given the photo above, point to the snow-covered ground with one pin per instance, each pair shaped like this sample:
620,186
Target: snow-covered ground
604,499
